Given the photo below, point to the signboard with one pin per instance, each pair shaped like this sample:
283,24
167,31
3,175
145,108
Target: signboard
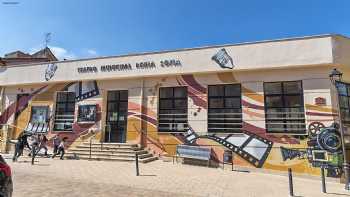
87,113
320,101
129,67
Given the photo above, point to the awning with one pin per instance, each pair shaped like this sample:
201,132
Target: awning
37,128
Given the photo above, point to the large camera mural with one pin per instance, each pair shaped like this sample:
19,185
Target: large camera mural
324,148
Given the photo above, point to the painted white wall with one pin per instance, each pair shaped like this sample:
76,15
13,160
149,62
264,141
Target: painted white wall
263,55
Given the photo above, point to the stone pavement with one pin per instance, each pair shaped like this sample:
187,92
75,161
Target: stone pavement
79,178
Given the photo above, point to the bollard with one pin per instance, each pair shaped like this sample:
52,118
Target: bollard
137,164
232,161
323,180
290,176
90,150
33,154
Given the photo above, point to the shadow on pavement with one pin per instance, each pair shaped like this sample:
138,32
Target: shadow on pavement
42,164
337,194
246,171
147,175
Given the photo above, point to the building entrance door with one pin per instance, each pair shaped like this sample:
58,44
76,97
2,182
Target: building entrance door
117,112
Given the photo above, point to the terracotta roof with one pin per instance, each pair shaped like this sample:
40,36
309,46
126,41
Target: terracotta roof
45,53
17,54
19,57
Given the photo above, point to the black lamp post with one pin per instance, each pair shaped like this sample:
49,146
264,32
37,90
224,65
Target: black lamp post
336,76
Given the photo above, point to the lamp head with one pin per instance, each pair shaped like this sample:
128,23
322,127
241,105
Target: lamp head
335,75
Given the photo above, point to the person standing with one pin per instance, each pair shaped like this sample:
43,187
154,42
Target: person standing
61,147
19,147
34,140
42,144
56,142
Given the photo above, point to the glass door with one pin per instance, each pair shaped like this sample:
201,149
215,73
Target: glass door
117,112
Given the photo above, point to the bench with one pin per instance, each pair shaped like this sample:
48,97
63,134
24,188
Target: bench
193,152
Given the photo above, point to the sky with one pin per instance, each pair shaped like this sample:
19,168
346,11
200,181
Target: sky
92,28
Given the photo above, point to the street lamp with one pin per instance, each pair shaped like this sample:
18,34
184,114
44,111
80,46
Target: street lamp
336,76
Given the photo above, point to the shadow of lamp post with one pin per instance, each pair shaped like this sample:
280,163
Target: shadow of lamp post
336,79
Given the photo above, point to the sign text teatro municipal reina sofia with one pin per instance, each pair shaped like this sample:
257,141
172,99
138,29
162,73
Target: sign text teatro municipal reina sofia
127,66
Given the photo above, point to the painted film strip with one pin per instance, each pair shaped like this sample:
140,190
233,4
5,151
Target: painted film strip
250,147
83,89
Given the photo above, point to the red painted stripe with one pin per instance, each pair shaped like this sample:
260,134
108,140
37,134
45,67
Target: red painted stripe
190,80
251,105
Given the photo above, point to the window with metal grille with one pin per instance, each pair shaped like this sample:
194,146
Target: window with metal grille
224,108
64,114
344,101
284,107
172,114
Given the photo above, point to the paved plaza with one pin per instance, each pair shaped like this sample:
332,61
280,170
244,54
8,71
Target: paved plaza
80,178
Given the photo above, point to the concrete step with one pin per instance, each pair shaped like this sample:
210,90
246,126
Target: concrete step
109,152
107,148
148,159
123,159
141,156
77,150
110,144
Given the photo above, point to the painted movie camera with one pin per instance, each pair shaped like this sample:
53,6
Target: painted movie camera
324,148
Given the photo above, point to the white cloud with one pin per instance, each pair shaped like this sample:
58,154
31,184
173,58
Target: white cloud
91,52
59,52
62,53
34,49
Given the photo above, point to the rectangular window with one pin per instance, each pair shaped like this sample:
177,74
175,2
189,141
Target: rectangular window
284,107
64,115
224,108
344,99
172,114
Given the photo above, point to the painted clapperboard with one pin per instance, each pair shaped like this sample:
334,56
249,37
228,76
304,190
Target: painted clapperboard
223,59
250,147
83,89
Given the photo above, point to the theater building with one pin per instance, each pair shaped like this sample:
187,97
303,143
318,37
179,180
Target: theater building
265,101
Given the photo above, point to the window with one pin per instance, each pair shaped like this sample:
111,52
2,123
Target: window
344,99
64,115
20,99
224,108
40,114
284,107
86,113
172,113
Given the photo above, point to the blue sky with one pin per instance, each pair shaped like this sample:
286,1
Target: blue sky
89,28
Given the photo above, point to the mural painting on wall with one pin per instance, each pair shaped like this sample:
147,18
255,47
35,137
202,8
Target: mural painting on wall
253,144
83,91
19,105
251,147
242,144
324,149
